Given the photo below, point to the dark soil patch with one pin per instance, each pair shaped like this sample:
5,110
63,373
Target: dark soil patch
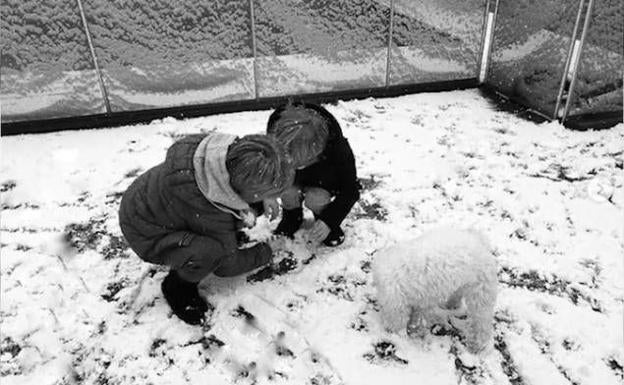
22,247
570,345
370,183
554,285
83,236
359,324
341,287
241,312
114,198
7,185
285,265
469,373
384,351
209,342
93,235
133,173
280,347
559,173
24,205
545,348
117,247
507,363
112,289
371,210
10,346
616,367
156,344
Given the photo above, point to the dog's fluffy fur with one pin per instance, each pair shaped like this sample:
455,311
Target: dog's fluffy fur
444,276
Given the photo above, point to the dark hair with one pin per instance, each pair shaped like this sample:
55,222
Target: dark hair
259,167
303,130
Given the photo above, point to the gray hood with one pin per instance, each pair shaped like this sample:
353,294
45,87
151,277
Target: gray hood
211,173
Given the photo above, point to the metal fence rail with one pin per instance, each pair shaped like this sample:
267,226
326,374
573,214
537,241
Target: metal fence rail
221,82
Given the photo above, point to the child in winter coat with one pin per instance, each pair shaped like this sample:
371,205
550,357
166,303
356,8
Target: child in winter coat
185,212
325,179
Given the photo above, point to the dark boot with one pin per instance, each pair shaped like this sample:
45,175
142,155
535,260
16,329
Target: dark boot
184,299
335,238
290,223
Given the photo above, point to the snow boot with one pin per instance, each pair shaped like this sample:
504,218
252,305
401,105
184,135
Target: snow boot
184,299
335,238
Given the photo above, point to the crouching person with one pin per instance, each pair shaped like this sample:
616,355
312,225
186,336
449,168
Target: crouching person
325,180
186,211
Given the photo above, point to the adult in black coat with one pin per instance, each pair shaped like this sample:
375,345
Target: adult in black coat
325,179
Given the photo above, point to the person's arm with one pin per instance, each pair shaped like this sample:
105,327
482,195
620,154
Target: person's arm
244,260
221,257
241,261
348,189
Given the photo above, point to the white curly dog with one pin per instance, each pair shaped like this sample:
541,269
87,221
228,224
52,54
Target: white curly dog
446,276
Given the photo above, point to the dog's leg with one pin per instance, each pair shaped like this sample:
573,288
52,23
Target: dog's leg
417,324
454,311
478,329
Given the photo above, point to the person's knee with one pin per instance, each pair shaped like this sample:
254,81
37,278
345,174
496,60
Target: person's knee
188,265
291,198
316,199
193,271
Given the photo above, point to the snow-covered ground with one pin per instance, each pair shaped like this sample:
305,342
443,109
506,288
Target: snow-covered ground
78,307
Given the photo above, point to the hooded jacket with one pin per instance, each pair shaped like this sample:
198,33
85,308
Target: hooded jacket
184,210
334,171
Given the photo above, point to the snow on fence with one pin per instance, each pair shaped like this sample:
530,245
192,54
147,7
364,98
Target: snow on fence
82,57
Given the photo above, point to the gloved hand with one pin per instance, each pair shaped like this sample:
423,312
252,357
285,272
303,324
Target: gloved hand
271,208
277,243
318,232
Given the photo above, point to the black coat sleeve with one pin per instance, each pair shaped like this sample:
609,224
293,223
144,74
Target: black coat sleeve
348,189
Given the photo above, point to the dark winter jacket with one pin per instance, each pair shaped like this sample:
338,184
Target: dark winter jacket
334,172
167,219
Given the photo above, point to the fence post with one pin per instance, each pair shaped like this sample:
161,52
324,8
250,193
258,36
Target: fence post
253,48
94,58
565,77
389,50
588,15
487,38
